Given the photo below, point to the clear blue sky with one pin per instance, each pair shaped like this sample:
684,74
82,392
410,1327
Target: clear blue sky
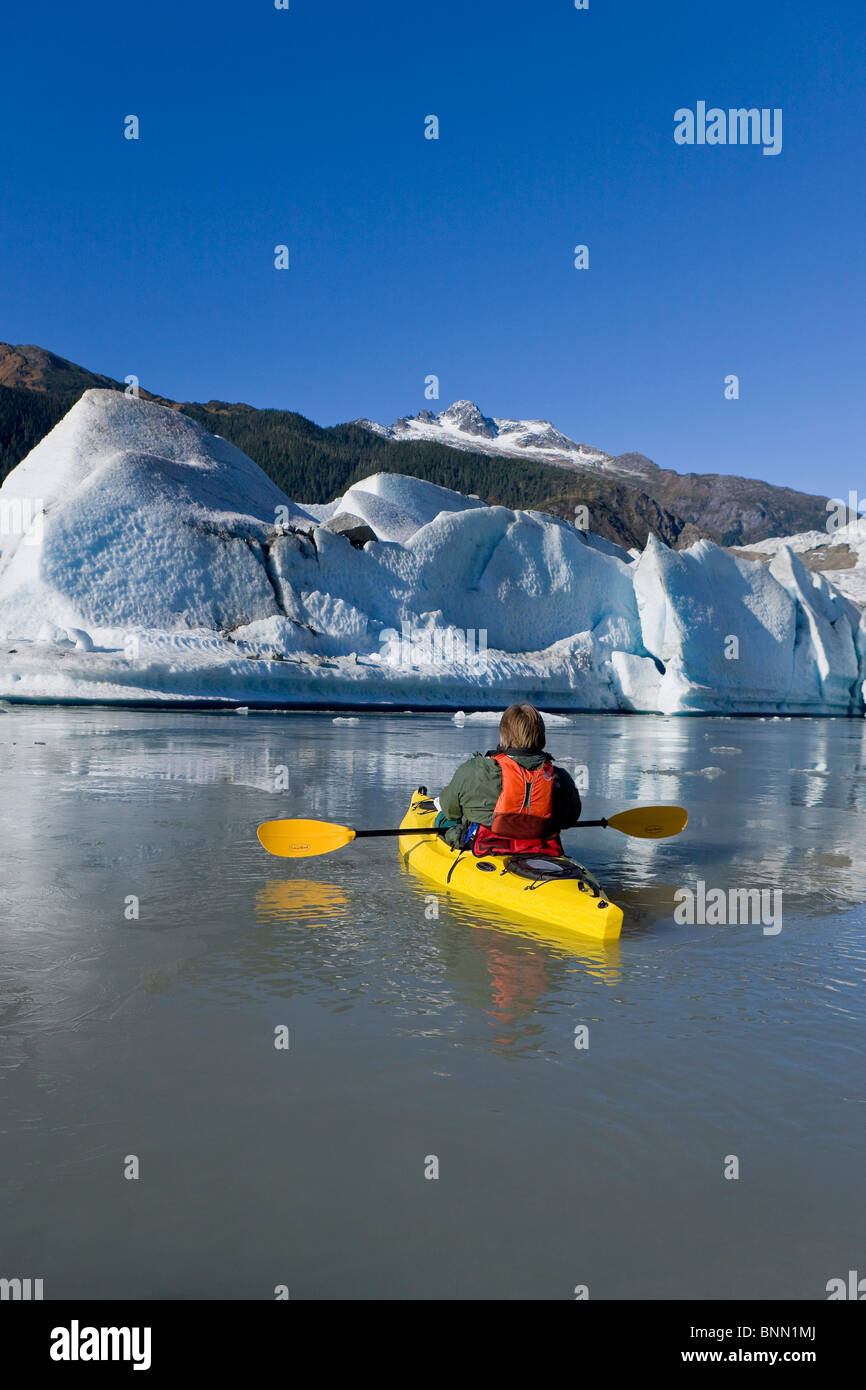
454,257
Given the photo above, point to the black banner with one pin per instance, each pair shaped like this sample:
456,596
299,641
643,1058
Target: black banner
220,1338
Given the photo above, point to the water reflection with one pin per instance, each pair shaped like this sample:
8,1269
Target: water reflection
507,971
513,973
767,798
407,1032
123,803
494,926
302,901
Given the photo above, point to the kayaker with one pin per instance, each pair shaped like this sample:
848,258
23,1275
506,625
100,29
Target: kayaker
513,799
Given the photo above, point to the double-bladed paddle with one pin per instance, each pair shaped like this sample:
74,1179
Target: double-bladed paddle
301,839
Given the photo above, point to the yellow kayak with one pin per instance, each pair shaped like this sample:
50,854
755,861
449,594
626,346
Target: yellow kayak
554,892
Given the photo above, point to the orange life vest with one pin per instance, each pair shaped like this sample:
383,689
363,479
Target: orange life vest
523,814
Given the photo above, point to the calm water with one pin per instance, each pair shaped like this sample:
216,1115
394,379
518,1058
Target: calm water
413,1037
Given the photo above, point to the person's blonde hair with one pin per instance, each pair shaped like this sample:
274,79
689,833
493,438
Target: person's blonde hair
521,726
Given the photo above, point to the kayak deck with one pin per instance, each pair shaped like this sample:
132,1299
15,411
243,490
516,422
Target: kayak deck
574,904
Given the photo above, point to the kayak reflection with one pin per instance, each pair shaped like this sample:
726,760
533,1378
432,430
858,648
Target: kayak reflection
514,965
528,972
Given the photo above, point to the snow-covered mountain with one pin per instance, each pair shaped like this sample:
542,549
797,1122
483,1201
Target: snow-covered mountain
462,426
143,558
627,495
728,508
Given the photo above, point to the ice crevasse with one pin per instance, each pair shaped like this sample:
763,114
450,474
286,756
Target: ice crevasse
144,559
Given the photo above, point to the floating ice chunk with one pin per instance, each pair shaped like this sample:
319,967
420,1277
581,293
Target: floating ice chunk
49,632
686,772
493,716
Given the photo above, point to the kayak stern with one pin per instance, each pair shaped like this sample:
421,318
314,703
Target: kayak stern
572,905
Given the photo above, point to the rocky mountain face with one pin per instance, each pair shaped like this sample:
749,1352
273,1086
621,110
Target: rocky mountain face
733,510
36,369
514,462
728,509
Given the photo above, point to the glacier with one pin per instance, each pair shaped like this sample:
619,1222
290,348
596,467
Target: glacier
839,553
144,560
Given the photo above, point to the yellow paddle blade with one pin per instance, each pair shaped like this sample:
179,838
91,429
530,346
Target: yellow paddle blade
651,822
301,839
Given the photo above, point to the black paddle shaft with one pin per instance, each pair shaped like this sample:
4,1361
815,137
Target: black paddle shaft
429,830
368,834
373,834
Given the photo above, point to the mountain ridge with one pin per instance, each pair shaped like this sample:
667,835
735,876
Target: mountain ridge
723,507
166,566
516,463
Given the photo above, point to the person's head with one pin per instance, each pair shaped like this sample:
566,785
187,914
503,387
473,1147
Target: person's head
521,726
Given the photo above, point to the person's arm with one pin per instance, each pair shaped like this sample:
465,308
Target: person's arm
449,797
566,800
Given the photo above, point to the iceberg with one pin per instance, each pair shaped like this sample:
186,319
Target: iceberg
839,553
143,560
395,507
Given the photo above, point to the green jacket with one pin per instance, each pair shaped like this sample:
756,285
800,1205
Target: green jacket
474,790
